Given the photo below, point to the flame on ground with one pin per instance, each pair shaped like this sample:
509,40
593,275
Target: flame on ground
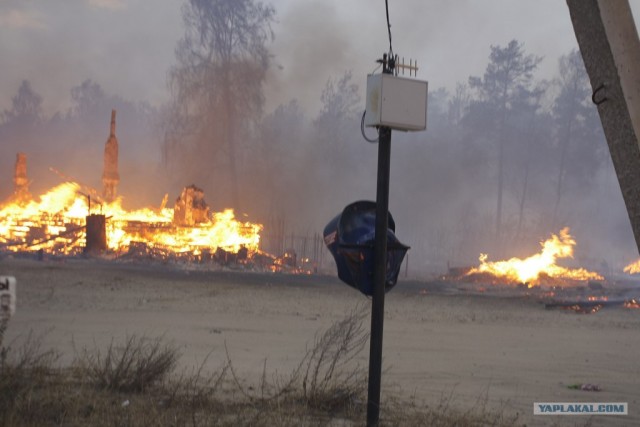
533,269
584,309
633,268
56,224
632,303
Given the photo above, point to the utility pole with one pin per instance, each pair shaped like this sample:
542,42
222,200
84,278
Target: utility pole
380,269
369,263
610,48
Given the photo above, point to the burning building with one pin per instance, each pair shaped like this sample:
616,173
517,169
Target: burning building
190,208
60,221
56,222
110,175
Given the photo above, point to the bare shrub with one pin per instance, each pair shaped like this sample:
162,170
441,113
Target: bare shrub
26,362
25,368
321,391
327,379
331,377
134,366
195,387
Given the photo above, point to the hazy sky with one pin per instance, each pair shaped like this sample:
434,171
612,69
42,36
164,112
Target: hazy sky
127,46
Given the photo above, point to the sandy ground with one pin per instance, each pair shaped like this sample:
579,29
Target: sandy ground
510,351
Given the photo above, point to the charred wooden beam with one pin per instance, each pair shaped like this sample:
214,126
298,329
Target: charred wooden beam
96,234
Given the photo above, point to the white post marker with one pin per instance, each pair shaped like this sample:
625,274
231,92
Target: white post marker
7,296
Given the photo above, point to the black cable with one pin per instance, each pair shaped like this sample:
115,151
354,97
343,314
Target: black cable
386,3
373,141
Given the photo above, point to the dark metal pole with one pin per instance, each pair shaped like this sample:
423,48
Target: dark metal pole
380,276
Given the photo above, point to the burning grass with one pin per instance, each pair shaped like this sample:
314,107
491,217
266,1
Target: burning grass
538,268
583,308
633,268
632,303
591,304
134,384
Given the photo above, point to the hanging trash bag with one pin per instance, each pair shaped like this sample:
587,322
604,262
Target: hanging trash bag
350,237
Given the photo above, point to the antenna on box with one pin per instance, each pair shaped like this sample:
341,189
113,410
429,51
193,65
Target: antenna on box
412,67
392,64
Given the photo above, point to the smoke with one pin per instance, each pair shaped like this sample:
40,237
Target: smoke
313,42
71,147
57,45
442,180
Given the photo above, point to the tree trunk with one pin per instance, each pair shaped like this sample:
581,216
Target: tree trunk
525,187
500,188
561,170
501,144
230,133
527,167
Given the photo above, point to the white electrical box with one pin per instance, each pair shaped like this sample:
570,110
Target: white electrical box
396,102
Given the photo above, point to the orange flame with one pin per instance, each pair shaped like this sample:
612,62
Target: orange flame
53,224
632,303
584,309
633,268
531,269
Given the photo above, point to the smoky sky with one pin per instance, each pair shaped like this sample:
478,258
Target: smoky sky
127,46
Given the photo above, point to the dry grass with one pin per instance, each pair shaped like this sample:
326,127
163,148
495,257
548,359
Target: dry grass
331,378
25,368
326,385
136,365
408,413
134,384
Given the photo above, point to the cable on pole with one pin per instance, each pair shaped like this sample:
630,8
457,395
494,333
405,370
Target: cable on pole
386,3
366,138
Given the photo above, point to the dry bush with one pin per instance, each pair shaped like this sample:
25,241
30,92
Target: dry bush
135,389
25,364
134,366
328,379
195,388
331,377
25,369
